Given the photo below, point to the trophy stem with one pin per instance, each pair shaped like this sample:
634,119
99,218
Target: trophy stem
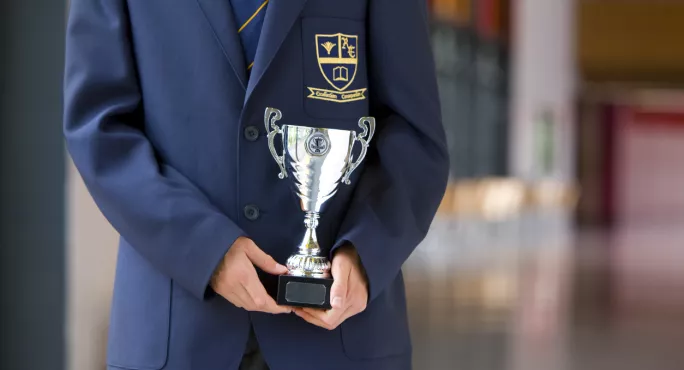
308,261
309,245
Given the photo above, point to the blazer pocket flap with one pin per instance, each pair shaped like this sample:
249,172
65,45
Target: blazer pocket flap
141,309
380,331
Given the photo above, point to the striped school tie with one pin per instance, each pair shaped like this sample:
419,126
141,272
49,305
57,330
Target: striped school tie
249,16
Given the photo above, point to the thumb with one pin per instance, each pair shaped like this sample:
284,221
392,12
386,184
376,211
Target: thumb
263,261
340,272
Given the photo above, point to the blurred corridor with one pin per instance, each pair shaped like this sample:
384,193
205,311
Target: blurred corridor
518,300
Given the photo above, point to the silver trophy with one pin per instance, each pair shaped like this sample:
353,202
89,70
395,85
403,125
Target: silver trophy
316,160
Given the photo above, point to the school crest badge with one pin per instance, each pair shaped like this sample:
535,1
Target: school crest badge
338,58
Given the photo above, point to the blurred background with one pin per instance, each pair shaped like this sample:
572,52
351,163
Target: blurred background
559,243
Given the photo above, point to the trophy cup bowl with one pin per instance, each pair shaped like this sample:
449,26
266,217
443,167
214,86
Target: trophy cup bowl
316,160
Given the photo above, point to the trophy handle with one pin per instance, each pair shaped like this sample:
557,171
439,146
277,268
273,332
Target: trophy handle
271,116
368,126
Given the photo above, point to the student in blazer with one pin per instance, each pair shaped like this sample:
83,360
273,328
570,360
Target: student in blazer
164,121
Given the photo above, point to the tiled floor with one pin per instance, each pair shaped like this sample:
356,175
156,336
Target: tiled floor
529,295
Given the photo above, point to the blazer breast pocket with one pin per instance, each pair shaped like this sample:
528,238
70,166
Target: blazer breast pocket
335,75
141,309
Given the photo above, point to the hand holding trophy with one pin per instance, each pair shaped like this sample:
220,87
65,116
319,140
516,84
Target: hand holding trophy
315,160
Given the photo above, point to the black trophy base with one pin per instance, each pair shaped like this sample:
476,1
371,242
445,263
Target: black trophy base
296,291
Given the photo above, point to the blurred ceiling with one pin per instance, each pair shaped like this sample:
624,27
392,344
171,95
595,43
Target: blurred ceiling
631,40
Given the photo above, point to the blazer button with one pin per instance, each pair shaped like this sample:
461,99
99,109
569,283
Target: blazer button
251,212
251,133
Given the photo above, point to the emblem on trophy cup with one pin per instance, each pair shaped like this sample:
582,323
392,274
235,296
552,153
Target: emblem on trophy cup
315,160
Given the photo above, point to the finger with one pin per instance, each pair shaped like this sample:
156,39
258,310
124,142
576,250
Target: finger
272,307
340,318
330,317
243,298
338,292
235,300
312,319
350,312
261,300
264,303
263,261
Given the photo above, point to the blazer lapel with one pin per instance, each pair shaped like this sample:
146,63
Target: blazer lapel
280,17
219,13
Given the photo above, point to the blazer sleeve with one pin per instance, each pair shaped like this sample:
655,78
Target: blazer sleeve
155,209
406,170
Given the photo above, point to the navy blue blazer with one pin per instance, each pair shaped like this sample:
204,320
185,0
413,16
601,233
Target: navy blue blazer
168,135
